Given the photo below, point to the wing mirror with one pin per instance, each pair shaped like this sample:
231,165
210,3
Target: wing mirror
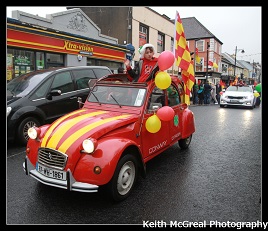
79,101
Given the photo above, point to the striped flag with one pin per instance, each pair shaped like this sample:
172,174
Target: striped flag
212,64
183,58
197,58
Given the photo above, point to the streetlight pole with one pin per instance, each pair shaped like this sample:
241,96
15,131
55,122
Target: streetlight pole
235,60
242,51
207,60
194,55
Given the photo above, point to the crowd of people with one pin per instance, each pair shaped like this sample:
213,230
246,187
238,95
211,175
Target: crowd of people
206,93
203,92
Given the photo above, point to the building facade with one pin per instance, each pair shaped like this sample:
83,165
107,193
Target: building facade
140,25
66,38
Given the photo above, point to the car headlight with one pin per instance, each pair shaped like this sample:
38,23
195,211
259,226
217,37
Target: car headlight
33,132
89,145
8,110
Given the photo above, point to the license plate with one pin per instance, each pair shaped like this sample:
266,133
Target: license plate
234,100
51,173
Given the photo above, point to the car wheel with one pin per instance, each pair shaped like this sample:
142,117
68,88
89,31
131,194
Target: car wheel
124,178
22,133
184,143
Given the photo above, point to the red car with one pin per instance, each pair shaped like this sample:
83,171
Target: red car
106,143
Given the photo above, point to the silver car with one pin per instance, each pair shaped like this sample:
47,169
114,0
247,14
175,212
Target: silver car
242,96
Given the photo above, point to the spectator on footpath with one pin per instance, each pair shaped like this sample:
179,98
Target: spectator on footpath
195,94
218,91
207,93
200,93
146,68
213,93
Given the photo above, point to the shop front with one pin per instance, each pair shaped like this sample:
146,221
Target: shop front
212,76
31,47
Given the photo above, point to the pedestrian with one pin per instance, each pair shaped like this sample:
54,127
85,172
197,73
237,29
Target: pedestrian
218,91
200,93
207,93
195,94
213,93
146,68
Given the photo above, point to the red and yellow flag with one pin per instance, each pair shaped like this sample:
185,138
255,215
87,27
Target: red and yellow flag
183,58
197,58
212,64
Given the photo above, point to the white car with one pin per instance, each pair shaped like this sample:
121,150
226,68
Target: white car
242,96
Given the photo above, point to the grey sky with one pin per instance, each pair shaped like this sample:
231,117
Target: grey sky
233,26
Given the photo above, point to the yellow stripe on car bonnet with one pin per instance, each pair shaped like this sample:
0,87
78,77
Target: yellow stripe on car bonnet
54,140
56,123
72,138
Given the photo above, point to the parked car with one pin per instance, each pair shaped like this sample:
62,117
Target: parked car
105,145
238,96
40,97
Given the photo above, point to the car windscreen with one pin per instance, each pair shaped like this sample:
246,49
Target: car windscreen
25,83
240,89
124,95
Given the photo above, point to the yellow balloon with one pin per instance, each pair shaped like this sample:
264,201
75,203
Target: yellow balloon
256,94
162,80
153,124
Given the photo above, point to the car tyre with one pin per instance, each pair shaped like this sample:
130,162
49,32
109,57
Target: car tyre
124,178
22,133
184,143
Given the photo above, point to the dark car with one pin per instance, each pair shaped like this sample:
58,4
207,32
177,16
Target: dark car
42,96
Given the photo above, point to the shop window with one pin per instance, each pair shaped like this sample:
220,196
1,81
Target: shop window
19,62
54,60
40,60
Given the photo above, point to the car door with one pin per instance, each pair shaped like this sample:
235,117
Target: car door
57,106
154,142
174,101
81,78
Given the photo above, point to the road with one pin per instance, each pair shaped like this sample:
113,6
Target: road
217,179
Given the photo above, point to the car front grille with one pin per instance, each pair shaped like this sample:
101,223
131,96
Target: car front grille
52,158
235,97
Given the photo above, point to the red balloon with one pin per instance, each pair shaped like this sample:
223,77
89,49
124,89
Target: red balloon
165,113
165,60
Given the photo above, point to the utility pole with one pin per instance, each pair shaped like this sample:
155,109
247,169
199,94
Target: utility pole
207,60
242,51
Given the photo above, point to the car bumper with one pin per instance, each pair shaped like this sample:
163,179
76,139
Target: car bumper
242,103
68,184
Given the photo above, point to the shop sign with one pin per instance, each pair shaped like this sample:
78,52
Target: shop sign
75,47
22,60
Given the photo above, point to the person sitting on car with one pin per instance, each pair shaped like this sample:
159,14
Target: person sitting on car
147,66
